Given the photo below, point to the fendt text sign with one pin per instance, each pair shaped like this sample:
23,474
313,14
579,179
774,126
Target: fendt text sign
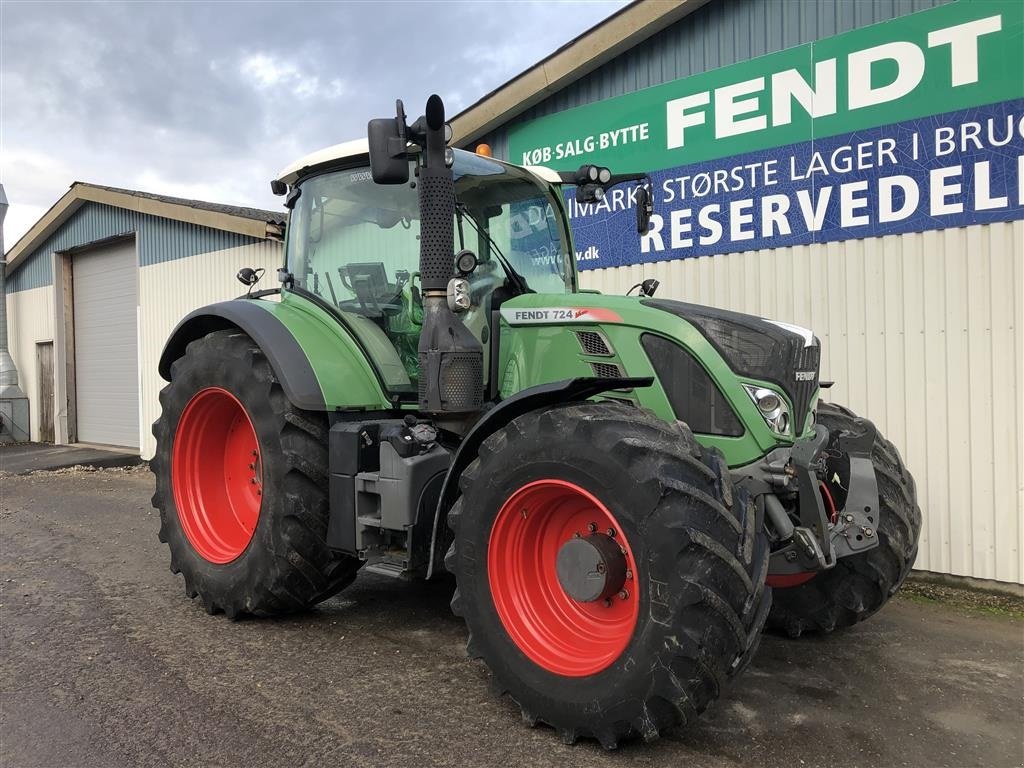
908,125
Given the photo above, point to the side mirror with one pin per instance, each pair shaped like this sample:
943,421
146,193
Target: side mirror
644,208
389,162
648,287
248,276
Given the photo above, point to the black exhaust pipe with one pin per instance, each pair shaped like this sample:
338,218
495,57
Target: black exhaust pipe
451,359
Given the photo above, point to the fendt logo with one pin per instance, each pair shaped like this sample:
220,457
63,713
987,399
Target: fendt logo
804,375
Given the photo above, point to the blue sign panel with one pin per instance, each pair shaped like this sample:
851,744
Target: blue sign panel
949,170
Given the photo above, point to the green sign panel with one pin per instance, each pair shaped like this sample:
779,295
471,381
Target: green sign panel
954,57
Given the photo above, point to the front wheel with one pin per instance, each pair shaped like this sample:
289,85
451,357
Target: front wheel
610,575
240,484
858,585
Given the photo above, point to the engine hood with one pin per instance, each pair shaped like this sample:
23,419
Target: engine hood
782,354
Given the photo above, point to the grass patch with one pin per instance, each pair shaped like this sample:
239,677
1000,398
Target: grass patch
1006,606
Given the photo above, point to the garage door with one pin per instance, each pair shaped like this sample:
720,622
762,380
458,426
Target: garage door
106,345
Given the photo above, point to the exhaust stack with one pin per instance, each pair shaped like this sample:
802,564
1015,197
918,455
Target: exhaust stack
450,357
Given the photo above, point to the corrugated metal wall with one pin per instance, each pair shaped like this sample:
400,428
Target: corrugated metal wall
30,320
158,239
921,333
170,290
720,33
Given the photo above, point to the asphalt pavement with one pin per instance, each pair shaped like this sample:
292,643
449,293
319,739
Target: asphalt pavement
105,662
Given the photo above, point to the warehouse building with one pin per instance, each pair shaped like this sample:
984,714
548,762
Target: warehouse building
852,167
94,290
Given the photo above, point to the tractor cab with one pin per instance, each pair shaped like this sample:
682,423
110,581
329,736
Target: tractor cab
355,244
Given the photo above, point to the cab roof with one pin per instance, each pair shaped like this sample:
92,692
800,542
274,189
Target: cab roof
360,148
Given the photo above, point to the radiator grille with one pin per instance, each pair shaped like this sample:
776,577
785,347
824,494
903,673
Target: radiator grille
606,370
593,343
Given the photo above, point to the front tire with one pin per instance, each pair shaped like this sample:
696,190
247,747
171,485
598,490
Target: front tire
240,484
859,585
629,657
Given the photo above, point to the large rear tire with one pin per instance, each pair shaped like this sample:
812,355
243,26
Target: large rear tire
690,552
859,585
240,484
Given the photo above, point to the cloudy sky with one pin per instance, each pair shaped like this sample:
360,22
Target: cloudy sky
209,99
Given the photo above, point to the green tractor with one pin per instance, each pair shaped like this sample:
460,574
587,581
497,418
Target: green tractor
617,483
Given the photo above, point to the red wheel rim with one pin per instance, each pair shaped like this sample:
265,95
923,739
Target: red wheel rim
558,633
216,475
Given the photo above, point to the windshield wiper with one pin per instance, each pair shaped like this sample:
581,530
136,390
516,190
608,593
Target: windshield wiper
518,280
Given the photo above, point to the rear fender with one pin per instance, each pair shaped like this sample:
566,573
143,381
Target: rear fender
540,396
290,363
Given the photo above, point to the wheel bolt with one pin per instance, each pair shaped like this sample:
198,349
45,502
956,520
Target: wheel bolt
629,574
254,453
601,568
611,532
623,595
591,527
252,480
577,535
607,602
252,467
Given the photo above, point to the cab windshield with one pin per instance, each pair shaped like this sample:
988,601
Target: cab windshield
355,244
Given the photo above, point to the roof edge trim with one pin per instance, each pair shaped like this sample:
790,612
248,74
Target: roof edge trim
81,193
579,57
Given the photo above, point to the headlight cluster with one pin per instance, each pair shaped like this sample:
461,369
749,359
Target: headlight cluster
773,409
459,299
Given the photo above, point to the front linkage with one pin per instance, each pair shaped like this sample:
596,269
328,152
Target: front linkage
827,483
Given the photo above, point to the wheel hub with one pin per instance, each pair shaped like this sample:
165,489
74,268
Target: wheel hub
591,568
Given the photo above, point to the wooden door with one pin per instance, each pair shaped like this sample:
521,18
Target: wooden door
44,377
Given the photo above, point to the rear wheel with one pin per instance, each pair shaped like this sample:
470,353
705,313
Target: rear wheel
608,572
858,585
240,479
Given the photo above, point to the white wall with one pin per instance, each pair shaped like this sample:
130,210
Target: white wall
170,290
30,320
921,333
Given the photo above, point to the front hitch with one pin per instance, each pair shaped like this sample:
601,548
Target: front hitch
811,546
833,478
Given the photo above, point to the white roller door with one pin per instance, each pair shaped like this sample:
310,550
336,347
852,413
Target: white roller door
106,344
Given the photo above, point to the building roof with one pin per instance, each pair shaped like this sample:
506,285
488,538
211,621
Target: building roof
619,32
253,222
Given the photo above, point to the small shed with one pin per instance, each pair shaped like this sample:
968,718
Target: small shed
95,287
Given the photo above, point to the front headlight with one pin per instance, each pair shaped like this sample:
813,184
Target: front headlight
773,408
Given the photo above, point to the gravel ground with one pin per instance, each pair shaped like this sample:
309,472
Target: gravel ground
105,663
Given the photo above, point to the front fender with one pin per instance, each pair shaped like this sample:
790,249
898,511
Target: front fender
540,396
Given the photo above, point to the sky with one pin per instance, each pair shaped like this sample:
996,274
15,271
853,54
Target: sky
208,100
